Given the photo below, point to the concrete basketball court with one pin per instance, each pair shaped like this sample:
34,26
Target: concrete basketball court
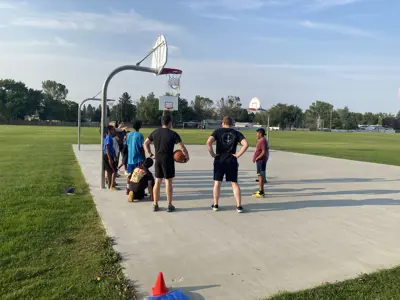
323,220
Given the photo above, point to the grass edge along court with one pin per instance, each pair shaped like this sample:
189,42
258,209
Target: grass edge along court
54,246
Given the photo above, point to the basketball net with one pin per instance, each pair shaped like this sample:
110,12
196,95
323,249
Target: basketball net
174,83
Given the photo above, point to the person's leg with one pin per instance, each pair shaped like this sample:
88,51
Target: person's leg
113,180
260,175
109,179
159,175
169,190
218,177
232,172
168,165
216,193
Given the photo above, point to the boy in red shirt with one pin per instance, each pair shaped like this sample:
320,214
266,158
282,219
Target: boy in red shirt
260,158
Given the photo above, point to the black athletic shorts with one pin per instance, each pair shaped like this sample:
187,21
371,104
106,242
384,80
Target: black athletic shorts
227,168
164,167
110,168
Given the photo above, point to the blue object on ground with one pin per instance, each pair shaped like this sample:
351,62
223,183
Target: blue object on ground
69,191
174,295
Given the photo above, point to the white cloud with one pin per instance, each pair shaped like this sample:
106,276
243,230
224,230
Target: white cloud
7,4
57,41
326,4
342,29
114,21
228,4
174,50
341,68
225,17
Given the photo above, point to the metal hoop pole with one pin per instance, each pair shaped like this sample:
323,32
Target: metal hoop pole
79,117
104,104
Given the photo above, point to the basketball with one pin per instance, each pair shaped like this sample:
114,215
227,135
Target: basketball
179,157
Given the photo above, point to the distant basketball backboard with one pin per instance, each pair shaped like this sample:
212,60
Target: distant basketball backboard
254,104
168,103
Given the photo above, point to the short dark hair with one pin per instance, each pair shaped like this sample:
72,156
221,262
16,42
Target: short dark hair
227,121
110,128
148,163
137,124
165,120
261,130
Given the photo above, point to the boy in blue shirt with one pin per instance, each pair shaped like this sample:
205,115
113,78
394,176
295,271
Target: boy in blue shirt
110,163
135,141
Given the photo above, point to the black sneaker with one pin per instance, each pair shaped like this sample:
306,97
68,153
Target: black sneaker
170,208
215,207
155,207
239,209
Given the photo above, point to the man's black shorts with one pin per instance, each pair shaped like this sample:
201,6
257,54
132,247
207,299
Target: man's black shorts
228,167
110,168
164,167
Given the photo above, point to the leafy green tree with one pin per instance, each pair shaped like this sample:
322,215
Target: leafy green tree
231,106
203,108
125,110
17,100
56,91
321,110
147,110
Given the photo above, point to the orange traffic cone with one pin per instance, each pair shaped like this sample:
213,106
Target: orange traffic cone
160,288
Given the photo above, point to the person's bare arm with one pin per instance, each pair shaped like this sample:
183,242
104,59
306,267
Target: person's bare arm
147,147
245,145
184,150
209,144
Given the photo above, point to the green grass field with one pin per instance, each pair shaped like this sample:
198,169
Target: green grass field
53,246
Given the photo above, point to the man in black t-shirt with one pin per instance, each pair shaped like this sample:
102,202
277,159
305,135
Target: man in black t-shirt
164,140
226,160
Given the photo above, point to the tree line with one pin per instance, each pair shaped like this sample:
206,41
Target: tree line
19,102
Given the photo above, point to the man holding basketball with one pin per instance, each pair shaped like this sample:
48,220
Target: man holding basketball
164,140
226,160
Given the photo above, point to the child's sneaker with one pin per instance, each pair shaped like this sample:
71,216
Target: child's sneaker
155,207
239,209
259,194
170,208
215,207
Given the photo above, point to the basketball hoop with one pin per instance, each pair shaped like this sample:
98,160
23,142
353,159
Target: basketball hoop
174,78
251,110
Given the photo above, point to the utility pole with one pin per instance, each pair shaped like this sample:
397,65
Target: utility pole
330,126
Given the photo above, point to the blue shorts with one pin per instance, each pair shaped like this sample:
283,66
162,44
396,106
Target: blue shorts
133,167
261,167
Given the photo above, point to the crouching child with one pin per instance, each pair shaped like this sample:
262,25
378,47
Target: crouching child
139,180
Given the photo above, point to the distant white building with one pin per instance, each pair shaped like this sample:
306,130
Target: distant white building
375,128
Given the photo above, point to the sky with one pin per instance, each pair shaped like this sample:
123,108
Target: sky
344,52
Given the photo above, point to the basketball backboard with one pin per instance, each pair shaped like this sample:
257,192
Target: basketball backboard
160,54
254,104
169,103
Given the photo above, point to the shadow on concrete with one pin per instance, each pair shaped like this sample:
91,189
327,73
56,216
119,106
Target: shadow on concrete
245,175
353,192
189,291
282,206
226,192
331,180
